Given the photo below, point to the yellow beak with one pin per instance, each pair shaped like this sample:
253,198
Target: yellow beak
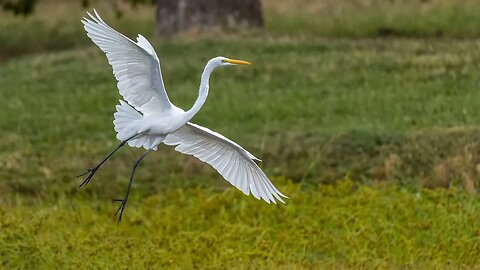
237,62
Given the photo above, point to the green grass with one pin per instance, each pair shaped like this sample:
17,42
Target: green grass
325,99
340,226
56,21
290,108
400,112
374,18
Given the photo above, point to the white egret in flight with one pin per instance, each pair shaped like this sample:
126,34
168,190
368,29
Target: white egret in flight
148,118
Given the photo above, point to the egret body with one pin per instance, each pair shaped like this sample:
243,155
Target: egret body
147,118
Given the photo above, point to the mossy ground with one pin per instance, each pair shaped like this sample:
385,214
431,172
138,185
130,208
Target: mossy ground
330,226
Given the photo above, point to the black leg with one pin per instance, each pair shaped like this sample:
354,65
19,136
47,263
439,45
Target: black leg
93,170
123,201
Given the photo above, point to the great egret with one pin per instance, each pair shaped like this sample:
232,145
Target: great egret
149,118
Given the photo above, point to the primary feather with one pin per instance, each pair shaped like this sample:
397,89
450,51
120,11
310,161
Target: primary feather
135,65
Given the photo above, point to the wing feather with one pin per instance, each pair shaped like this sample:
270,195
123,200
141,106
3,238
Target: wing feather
233,162
135,65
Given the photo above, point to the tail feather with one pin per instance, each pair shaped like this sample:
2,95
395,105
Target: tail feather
146,141
123,118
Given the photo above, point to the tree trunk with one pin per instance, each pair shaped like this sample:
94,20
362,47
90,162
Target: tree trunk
176,16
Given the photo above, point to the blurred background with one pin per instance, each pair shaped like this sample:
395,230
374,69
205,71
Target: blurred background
366,113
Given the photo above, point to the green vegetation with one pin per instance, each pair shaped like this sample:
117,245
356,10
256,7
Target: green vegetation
375,18
340,226
398,115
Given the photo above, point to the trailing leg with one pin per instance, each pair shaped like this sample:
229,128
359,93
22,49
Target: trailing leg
123,201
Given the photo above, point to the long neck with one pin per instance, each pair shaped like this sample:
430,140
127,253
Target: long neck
202,93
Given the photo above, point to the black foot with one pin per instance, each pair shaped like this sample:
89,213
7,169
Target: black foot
121,207
90,172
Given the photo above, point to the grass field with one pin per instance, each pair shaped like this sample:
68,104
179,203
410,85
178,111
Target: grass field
386,98
341,226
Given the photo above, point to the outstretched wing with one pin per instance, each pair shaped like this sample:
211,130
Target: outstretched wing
233,162
135,65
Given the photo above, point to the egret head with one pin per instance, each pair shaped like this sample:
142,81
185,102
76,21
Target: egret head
220,61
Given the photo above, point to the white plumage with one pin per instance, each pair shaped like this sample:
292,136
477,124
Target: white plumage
149,118
135,66
233,162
